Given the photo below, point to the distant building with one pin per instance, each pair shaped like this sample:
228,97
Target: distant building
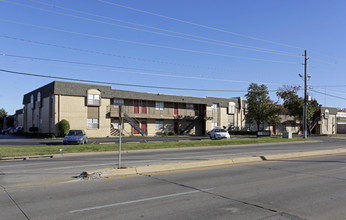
341,122
19,118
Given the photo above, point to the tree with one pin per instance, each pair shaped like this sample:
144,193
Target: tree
3,113
294,105
260,108
64,127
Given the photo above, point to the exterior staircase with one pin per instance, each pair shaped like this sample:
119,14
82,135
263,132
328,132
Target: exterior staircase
189,127
314,123
134,123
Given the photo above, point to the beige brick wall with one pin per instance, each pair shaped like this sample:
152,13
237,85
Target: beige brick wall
75,110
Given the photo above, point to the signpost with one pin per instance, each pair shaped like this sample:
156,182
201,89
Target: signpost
120,128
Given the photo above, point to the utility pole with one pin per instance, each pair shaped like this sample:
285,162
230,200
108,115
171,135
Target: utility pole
120,129
305,98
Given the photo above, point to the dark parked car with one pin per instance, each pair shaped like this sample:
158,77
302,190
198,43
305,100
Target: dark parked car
75,137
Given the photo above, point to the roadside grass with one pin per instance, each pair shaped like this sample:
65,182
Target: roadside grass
23,150
336,135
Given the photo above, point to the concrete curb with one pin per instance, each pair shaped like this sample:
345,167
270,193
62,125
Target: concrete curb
26,157
106,173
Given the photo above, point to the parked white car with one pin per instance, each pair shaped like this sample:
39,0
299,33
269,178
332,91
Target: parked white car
218,133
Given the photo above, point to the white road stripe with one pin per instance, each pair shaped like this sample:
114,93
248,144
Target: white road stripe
139,200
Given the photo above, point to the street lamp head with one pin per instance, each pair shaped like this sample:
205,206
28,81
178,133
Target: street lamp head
300,75
309,76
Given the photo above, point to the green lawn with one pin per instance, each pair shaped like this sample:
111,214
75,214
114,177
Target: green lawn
23,150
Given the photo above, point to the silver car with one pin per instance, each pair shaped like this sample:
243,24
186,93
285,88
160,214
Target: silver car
218,133
75,137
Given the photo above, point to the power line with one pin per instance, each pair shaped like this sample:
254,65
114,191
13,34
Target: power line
129,72
334,96
118,84
112,54
201,25
205,40
145,44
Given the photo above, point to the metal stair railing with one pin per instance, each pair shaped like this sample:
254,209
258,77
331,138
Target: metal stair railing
134,123
314,123
189,127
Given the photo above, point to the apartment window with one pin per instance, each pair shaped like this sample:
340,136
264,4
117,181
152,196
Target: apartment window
93,99
325,125
32,102
215,108
190,107
293,127
159,124
118,102
231,108
39,99
116,124
93,123
159,105
214,125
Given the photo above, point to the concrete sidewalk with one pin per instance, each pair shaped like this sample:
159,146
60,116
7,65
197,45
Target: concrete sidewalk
183,166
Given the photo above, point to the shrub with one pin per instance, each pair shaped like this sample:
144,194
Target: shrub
242,132
33,129
64,127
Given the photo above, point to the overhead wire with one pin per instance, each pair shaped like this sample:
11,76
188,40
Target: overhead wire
187,76
323,93
118,84
201,25
112,54
204,39
145,44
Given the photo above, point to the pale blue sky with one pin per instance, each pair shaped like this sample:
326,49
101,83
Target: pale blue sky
197,44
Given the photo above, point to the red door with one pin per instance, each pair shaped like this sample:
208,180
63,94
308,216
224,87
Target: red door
176,107
274,129
144,107
144,126
176,127
136,106
134,130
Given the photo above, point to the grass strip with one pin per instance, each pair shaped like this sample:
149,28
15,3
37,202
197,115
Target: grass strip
25,150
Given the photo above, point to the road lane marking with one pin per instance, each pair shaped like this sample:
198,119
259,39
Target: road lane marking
139,200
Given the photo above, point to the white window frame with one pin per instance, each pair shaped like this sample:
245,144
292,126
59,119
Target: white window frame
215,107
39,99
118,102
32,102
231,108
214,125
159,105
325,125
94,99
93,123
159,125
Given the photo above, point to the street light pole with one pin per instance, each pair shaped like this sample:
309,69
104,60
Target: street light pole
305,98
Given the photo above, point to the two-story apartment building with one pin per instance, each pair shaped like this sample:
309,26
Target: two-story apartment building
95,108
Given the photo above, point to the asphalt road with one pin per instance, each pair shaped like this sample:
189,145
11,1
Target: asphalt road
297,189
61,166
292,189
